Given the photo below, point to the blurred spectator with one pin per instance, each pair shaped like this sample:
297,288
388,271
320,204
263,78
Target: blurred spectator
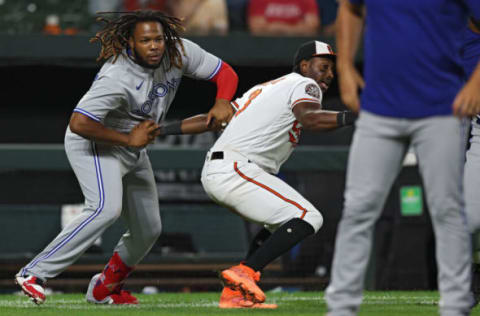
133,5
201,17
283,17
52,25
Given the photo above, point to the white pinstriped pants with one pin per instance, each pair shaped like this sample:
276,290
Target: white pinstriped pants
256,195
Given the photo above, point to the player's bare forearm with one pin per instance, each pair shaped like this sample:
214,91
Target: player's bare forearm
467,101
195,125
474,24
320,120
349,29
88,128
313,118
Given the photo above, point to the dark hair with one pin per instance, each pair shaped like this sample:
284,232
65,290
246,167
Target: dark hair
116,32
296,67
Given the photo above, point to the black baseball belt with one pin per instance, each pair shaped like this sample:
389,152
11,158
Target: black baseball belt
220,155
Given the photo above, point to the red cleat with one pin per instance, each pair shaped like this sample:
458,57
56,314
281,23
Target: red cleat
32,287
124,297
117,296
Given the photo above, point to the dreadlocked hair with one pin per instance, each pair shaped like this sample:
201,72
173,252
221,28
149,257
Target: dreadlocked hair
116,32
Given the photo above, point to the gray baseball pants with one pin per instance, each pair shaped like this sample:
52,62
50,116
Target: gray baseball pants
115,183
376,155
472,180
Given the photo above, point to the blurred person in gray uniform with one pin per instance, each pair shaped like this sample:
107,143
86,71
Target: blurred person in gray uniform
106,141
470,58
414,94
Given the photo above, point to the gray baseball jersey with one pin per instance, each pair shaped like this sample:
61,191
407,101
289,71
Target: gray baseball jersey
118,181
123,93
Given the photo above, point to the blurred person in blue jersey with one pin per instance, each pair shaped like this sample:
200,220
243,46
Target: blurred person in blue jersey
414,95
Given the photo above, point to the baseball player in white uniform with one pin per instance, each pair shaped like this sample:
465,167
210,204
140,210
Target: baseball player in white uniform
239,168
260,137
105,144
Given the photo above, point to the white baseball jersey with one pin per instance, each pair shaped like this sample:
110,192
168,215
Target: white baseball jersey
124,94
264,129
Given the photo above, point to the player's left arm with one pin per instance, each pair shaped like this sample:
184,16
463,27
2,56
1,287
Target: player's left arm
467,101
474,25
193,125
313,118
226,80
200,64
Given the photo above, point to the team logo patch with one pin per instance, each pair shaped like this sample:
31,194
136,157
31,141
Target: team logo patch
313,90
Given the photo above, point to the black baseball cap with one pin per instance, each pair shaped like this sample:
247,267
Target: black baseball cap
313,49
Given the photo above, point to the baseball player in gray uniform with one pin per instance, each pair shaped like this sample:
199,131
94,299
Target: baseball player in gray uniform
412,96
105,142
470,58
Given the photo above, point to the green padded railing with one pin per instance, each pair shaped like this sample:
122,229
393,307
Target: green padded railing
52,157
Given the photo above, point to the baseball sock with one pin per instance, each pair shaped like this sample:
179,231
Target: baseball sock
282,240
112,276
258,241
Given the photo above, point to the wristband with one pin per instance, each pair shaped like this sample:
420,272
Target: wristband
171,128
346,118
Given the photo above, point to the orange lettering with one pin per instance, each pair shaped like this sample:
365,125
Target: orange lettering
252,96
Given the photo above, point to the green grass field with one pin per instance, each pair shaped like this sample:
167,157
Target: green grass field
297,304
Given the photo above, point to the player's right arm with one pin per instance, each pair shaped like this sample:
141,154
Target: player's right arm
313,118
140,136
107,94
349,29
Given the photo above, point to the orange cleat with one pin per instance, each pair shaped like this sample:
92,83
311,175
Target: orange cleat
243,278
234,299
